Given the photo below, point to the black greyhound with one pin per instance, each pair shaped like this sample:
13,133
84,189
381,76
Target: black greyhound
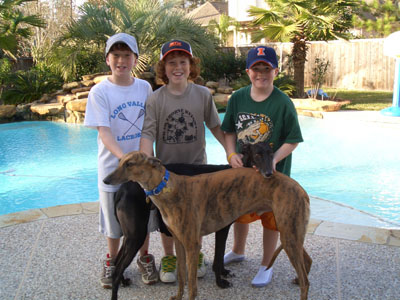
259,155
133,213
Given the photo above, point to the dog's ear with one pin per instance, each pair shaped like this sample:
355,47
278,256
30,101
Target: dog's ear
154,161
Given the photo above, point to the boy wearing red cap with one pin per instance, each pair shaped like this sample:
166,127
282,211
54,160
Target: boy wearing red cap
174,121
256,113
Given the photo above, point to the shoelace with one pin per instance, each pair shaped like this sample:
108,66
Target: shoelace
109,269
168,264
148,265
201,257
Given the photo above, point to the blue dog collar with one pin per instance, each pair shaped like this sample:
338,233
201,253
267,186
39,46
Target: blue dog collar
160,187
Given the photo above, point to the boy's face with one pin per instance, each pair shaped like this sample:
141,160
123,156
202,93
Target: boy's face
177,67
262,75
121,62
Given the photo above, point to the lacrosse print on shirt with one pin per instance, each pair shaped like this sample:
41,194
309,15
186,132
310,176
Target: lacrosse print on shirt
133,130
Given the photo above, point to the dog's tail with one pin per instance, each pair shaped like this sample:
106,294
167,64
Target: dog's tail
276,253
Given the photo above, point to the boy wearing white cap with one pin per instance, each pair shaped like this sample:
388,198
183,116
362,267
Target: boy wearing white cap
257,113
115,108
174,121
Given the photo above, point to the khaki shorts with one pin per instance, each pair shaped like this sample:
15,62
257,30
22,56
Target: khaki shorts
108,223
267,220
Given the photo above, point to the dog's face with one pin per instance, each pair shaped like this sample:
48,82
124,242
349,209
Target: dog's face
134,166
259,155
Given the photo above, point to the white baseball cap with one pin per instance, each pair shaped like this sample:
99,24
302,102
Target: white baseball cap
127,39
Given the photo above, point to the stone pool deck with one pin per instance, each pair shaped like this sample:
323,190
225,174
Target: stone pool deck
56,253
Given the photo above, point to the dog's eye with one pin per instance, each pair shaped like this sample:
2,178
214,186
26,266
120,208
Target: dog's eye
129,164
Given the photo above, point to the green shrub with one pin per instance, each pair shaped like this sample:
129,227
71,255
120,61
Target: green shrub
240,81
27,86
222,65
285,83
89,63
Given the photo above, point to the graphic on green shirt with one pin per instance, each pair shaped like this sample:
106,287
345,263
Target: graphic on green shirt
253,128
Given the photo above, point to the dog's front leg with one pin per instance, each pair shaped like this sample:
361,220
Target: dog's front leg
181,265
192,250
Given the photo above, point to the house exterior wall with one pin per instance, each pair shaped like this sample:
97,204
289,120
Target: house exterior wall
238,8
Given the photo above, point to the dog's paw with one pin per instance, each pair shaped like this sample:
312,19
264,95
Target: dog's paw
223,284
227,273
125,281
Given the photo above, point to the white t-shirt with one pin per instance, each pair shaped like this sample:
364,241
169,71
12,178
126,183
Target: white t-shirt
122,109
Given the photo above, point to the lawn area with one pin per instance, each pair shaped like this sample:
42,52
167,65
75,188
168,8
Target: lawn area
361,100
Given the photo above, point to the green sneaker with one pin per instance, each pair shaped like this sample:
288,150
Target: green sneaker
201,266
168,269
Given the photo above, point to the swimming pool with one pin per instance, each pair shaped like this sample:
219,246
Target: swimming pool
355,163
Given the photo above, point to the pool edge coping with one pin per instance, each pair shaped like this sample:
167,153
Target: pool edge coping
360,233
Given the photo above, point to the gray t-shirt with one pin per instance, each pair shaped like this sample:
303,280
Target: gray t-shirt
176,124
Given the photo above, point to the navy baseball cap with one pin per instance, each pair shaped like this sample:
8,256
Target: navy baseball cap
175,45
262,54
125,38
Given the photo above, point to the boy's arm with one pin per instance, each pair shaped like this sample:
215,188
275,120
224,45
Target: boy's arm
146,146
109,141
219,135
282,152
234,159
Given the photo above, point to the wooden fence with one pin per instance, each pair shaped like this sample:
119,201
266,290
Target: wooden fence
354,64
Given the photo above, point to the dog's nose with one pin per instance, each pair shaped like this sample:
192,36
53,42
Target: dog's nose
267,174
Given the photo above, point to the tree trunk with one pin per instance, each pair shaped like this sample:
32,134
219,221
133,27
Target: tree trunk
299,54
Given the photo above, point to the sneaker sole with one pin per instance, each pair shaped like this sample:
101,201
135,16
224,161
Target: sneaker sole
259,285
149,282
106,286
168,281
235,260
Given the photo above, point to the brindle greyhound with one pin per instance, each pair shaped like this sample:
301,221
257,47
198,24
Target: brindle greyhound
133,211
198,205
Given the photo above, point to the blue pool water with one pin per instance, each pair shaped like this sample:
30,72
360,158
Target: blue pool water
355,163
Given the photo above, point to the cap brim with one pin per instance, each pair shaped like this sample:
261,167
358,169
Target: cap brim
120,41
172,50
261,60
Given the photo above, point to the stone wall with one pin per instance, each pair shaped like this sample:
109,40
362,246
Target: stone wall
69,104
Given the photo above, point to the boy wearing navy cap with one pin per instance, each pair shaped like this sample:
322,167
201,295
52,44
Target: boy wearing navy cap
113,106
174,121
257,113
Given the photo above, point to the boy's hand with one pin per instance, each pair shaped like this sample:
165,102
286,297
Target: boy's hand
236,161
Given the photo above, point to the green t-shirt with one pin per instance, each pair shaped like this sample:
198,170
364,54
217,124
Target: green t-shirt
273,120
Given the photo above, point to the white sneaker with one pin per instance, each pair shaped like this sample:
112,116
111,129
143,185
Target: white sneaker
168,269
201,267
232,257
263,277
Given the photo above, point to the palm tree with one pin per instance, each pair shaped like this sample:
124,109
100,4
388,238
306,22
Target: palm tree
14,25
152,22
221,28
300,21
